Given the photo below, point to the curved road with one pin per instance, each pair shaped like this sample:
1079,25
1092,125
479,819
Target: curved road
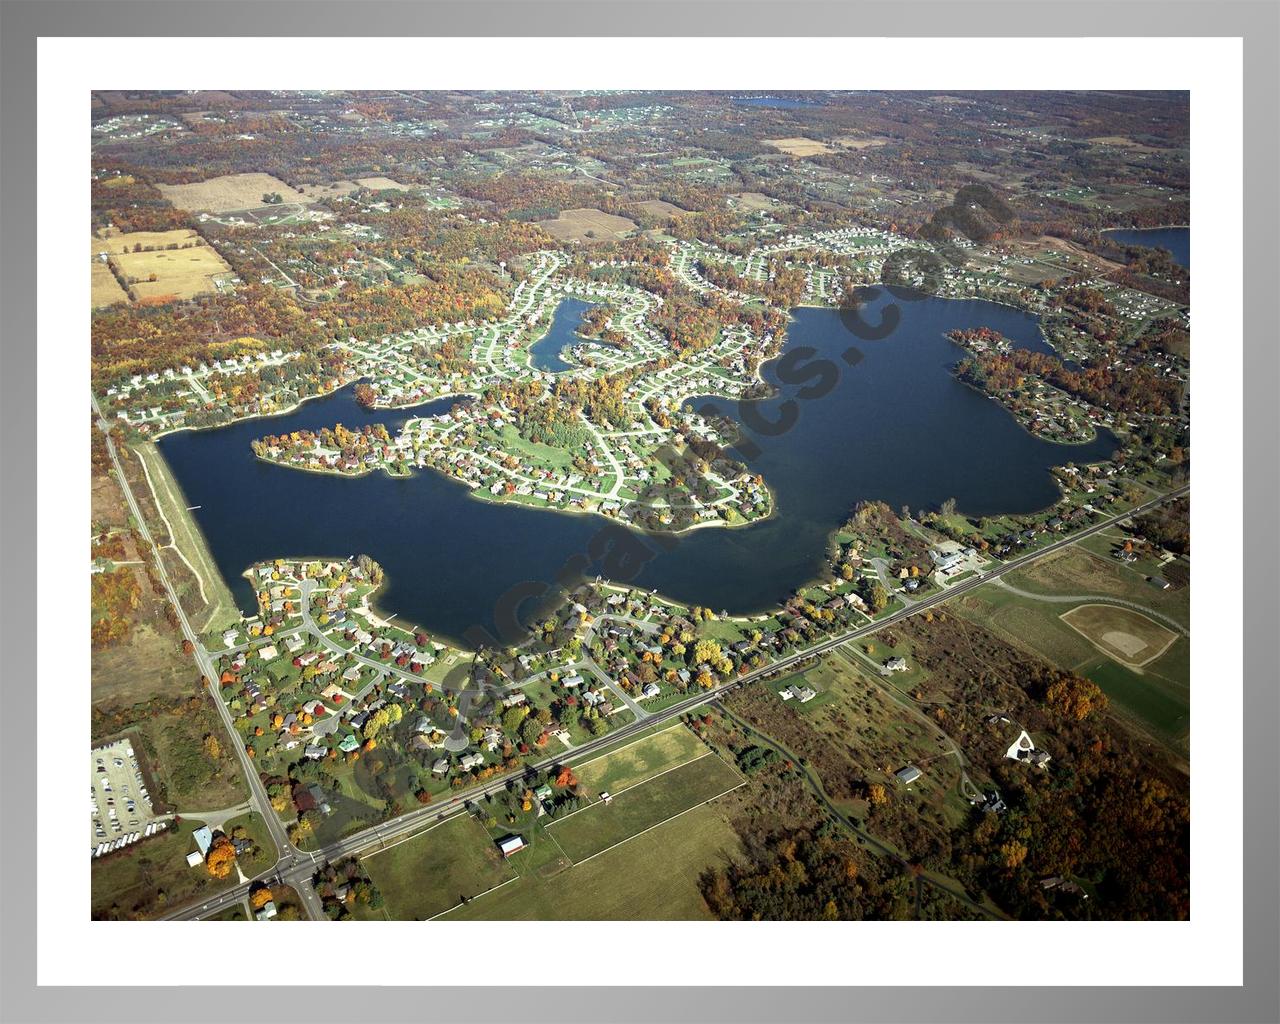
1173,624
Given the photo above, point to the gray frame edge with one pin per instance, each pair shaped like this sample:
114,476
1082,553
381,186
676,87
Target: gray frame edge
1258,22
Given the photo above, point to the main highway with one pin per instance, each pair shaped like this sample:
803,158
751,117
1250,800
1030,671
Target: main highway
296,867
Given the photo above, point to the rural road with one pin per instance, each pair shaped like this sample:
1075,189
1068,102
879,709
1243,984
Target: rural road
257,793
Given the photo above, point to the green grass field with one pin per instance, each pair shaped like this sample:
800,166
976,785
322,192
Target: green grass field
437,870
1153,701
134,879
638,761
219,607
654,877
601,826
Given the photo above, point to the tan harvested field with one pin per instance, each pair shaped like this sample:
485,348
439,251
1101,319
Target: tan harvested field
798,146
313,193
1125,636
181,273
104,289
226,193
857,142
660,208
1124,142
113,242
587,225
758,201
379,184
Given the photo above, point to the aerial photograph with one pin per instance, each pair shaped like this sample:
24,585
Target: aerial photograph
616,505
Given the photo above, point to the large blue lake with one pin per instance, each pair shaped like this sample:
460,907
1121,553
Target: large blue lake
1176,240
777,102
894,425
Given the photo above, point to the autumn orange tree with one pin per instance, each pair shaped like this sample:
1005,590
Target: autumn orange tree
566,778
1074,697
220,858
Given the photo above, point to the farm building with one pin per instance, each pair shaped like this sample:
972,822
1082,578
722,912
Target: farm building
511,845
907,775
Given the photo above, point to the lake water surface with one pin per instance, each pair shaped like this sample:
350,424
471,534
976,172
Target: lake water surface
1176,240
777,102
544,354
896,426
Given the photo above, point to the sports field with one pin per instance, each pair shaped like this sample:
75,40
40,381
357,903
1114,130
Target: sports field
1127,636
432,872
1149,683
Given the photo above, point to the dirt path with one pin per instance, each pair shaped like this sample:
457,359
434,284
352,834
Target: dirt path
186,541
1173,624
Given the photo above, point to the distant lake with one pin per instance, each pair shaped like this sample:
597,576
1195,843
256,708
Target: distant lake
777,102
1176,240
897,426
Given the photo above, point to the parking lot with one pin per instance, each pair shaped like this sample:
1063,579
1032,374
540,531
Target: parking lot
120,808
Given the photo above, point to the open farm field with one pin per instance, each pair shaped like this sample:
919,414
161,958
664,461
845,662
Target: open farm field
652,877
636,762
437,870
104,289
587,225
660,208
633,811
226,193
180,273
798,146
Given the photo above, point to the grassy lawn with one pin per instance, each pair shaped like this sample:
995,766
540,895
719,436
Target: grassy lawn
1154,702
437,870
1076,570
600,826
639,761
152,875
256,830
219,606
1026,623
725,630
654,877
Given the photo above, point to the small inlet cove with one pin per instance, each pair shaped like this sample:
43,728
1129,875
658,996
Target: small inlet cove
1175,239
851,419
547,353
